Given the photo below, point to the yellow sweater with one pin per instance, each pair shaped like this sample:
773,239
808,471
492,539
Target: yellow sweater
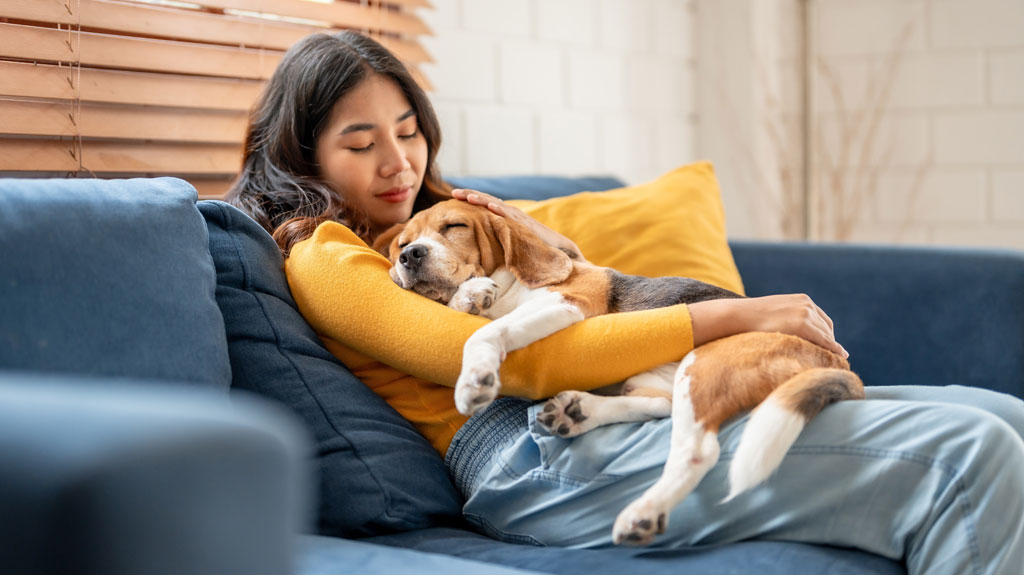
408,349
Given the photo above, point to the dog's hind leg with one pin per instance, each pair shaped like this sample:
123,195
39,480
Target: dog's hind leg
660,378
693,452
642,397
573,413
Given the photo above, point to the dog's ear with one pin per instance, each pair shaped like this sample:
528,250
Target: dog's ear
383,242
533,262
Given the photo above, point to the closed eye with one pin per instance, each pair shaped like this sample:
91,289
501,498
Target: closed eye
452,226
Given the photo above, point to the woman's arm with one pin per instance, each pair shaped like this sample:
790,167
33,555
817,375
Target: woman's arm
794,314
343,290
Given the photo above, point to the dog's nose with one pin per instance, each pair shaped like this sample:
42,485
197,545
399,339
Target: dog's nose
413,256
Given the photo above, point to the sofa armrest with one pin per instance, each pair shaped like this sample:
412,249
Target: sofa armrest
907,315
97,477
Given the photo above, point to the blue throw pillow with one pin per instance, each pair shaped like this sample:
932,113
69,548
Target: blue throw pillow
377,473
536,187
108,278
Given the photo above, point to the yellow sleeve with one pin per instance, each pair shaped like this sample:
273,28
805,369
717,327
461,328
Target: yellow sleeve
342,288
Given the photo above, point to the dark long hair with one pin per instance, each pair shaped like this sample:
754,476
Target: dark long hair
280,184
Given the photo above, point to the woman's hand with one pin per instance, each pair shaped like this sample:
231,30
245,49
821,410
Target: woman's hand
550,236
793,314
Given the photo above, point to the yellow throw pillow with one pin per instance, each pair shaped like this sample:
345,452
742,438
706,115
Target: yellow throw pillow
673,226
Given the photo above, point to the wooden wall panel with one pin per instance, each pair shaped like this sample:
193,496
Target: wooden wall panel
39,118
125,87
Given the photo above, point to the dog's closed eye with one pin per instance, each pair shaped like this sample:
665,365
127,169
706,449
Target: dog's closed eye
450,226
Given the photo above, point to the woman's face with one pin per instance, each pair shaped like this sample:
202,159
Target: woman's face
373,153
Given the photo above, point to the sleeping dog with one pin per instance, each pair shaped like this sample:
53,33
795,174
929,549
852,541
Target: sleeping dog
474,261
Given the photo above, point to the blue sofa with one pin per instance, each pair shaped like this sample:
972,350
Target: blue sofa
165,409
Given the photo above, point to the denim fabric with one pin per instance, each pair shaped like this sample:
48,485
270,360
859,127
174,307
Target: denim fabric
486,433
377,474
108,278
930,476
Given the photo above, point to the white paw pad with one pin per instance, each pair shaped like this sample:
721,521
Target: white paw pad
476,389
639,523
475,295
565,415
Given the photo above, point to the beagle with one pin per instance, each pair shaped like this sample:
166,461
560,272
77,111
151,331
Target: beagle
474,261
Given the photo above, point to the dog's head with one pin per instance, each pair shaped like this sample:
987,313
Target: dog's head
441,247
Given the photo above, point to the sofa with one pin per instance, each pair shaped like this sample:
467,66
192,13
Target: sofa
164,408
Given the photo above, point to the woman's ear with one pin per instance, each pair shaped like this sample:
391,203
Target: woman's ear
383,242
533,262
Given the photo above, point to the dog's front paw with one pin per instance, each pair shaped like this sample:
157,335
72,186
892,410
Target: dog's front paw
476,388
475,295
639,523
566,414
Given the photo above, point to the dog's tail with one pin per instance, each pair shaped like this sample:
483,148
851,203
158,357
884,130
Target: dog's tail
779,419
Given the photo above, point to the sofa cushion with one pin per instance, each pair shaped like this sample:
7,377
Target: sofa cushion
535,187
748,557
108,278
377,474
671,226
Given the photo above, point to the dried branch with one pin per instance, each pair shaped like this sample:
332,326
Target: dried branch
852,178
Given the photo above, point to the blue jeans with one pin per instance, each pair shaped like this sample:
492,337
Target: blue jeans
928,475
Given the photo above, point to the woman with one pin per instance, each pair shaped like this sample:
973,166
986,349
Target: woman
342,145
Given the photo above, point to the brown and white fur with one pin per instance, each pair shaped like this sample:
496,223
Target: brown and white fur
474,261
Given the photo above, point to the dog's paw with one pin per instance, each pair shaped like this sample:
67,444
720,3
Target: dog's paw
639,523
476,389
475,295
566,414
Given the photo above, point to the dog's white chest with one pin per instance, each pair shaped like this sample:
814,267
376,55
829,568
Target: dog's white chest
511,294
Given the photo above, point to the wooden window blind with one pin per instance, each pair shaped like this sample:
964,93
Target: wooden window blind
119,88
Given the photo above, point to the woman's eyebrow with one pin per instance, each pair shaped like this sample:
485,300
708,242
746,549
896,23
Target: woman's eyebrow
365,127
357,128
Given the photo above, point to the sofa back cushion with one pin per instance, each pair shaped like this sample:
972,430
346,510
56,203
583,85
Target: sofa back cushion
528,187
377,474
108,278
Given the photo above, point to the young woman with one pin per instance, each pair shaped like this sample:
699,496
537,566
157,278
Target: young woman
342,145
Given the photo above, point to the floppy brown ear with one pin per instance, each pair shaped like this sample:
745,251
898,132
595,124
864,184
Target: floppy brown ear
383,242
533,262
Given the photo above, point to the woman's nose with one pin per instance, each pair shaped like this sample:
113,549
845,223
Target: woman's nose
394,159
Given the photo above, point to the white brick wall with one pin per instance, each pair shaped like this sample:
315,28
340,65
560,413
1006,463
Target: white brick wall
860,27
979,24
618,86
563,86
947,157
934,155
1006,77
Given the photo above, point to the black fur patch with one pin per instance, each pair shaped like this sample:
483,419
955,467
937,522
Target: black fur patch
838,386
632,293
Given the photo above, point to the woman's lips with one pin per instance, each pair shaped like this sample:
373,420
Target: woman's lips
395,195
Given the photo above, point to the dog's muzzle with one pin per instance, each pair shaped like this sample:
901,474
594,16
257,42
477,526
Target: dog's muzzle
415,271
413,256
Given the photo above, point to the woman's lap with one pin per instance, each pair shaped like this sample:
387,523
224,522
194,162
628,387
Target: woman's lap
892,475
1008,408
